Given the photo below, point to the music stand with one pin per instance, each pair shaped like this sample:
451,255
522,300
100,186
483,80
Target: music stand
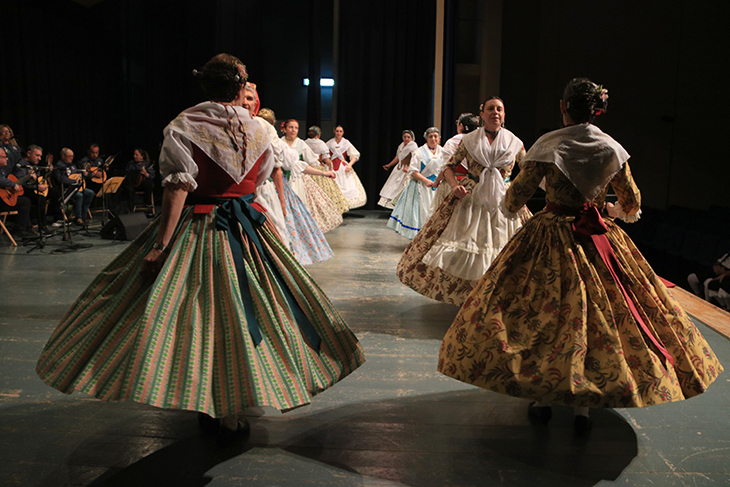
104,190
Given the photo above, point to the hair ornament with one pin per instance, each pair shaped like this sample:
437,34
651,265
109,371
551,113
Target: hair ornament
602,100
431,130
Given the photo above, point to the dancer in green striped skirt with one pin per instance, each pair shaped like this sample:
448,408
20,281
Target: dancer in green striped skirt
206,310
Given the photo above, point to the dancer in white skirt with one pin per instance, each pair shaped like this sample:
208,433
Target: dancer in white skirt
270,194
477,230
397,180
344,155
329,186
413,208
315,199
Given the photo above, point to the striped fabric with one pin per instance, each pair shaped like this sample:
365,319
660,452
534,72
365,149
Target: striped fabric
181,341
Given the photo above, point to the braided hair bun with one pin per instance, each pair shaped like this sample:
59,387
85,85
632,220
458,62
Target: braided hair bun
585,100
221,78
469,121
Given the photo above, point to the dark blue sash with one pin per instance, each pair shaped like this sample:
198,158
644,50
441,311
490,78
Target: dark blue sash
230,213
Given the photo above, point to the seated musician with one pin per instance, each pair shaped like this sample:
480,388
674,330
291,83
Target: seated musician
9,190
12,149
140,177
35,186
62,174
94,165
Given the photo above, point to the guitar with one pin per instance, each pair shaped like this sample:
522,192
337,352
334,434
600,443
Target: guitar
141,177
10,197
99,173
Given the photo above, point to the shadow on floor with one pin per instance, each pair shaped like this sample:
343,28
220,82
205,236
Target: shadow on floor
466,438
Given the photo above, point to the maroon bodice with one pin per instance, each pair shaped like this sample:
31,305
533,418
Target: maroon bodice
214,181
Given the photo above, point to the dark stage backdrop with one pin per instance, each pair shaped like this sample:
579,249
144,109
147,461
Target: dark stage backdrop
664,63
117,72
385,80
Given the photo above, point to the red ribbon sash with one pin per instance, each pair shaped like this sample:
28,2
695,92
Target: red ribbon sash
590,223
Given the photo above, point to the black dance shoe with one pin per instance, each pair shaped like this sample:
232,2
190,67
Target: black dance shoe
543,414
208,424
226,437
582,425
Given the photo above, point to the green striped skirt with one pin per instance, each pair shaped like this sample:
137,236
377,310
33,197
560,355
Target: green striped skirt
184,339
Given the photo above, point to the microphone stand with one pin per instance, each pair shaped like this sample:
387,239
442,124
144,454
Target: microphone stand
71,247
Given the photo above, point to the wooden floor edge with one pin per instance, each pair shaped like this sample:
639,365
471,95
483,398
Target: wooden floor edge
709,314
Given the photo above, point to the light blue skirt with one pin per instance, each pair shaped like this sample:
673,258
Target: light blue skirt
408,216
306,239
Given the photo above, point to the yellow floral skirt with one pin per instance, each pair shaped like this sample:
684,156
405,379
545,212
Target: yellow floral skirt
548,322
331,189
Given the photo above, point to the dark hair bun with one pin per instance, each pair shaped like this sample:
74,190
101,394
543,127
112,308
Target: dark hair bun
584,100
220,78
469,121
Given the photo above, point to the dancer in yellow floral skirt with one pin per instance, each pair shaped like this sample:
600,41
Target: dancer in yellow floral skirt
570,312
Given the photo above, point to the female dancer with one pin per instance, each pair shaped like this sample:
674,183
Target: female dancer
570,312
413,208
397,180
318,203
300,232
330,187
467,123
205,310
465,233
344,155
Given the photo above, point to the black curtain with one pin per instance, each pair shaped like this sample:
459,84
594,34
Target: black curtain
386,75
114,74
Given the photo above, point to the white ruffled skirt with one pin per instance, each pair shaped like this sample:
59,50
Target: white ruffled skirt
472,239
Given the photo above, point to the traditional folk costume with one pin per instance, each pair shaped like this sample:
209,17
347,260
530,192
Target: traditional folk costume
231,321
570,312
341,153
457,245
413,207
266,194
460,171
317,202
397,180
328,185
306,239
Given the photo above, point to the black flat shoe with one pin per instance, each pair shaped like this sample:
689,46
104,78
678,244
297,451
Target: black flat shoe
226,437
582,425
543,414
208,424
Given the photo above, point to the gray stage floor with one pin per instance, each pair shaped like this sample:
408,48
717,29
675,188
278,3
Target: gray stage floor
394,422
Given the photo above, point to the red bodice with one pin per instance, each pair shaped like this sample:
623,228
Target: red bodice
214,181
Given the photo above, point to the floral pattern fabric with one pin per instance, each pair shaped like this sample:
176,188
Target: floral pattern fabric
548,321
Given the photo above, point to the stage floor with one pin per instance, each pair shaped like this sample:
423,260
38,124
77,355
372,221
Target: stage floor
394,422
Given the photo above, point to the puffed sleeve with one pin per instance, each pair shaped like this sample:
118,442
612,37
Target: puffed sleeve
353,153
415,165
628,206
177,166
309,156
522,188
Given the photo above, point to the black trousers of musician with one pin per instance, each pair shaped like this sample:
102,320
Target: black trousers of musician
54,206
145,186
23,208
40,203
